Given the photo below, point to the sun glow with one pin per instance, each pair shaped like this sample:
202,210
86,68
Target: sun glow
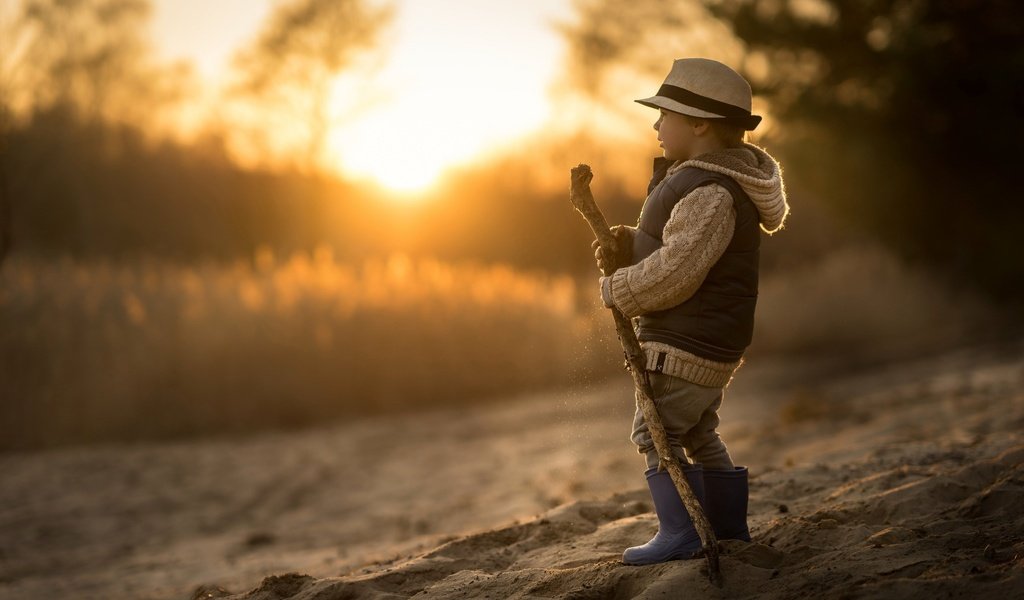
459,81
452,81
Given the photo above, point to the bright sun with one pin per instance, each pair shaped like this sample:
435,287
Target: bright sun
440,100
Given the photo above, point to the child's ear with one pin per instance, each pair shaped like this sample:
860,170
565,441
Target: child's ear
700,126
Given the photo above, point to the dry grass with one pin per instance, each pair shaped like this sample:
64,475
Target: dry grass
95,351
99,351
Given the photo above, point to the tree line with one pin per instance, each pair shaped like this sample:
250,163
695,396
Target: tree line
895,120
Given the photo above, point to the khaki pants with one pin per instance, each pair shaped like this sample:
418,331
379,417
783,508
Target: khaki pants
689,413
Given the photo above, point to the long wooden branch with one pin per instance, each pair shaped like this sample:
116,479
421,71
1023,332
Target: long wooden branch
583,199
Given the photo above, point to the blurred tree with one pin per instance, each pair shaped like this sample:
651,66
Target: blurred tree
5,201
6,228
908,112
291,66
902,115
610,37
89,55
87,66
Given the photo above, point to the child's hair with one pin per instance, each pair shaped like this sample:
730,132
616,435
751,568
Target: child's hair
730,134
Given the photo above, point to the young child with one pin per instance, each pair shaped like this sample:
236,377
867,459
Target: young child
689,273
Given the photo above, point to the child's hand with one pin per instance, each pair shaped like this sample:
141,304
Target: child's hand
606,292
622,254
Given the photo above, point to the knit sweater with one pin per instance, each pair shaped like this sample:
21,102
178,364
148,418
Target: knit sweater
697,233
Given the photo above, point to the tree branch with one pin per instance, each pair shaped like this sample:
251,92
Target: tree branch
582,198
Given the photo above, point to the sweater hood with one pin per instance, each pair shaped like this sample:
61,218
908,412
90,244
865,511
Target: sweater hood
757,173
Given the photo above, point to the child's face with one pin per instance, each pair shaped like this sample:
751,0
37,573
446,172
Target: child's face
675,132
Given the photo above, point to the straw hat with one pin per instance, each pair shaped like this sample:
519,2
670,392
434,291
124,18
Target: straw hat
700,87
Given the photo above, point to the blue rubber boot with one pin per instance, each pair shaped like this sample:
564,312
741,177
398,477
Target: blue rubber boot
725,496
676,537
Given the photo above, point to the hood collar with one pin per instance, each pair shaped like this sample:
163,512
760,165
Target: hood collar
756,172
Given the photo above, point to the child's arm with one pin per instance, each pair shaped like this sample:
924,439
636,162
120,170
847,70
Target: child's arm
695,236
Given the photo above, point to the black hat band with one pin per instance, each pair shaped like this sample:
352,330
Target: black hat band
685,96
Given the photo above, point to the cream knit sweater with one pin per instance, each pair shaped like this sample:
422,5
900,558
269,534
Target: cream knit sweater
696,235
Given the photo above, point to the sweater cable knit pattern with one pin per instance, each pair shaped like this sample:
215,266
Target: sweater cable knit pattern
696,235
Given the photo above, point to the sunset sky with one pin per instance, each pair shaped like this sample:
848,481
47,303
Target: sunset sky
455,78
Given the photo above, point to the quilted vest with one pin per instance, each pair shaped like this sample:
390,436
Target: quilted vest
717,322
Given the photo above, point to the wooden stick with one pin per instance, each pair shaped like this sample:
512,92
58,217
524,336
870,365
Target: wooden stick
582,198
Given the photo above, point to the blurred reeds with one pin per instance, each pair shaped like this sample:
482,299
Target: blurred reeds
103,351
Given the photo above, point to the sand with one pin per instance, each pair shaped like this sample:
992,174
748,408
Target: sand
896,480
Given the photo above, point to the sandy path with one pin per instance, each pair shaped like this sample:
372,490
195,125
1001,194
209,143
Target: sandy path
155,521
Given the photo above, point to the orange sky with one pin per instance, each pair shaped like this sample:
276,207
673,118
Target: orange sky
456,79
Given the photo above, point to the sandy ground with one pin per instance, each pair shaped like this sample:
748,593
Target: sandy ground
903,480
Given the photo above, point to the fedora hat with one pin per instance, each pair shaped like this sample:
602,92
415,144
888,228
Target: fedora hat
701,87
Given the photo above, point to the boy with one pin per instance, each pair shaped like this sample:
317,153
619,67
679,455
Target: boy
689,273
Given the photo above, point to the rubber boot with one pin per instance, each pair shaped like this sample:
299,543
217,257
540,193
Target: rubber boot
725,495
676,537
